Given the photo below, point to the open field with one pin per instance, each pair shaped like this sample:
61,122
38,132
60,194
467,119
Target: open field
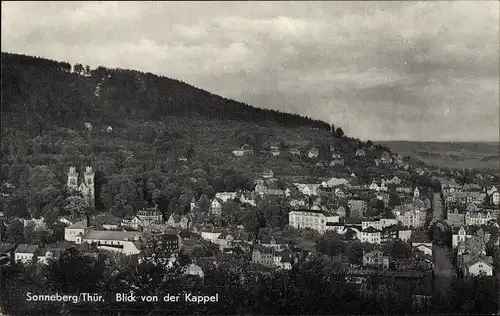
451,154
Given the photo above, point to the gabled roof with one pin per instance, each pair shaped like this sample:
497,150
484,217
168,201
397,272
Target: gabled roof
370,229
25,248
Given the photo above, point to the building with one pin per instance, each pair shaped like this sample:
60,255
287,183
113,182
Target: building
313,153
211,234
45,255
216,207
295,151
86,187
149,216
477,265
307,219
357,207
379,223
194,270
360,153
73,231
263,255
460,236
371,235
25,253
455,219
178,221
131,222
423,247
225,196
308,189
411,215
375,259
478,218
123,242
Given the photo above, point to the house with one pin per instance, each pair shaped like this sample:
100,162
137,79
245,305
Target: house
295,151
375,259
360,153
211,234
25,253
475,266
46,255
73,231
339,228
182,159
297,203
357,207
150,215
394,180
385,158
238,152
308,189
263,255
88,126
180,221
225,196
268,174
425,248
275,152
216,207
276,243
132,222
123,242
333,182
109,129
313,153
337,161
455,219
248,198
307,219
478,218
283,260
371,235
194,270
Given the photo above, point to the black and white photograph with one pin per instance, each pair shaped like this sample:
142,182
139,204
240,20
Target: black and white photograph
250,158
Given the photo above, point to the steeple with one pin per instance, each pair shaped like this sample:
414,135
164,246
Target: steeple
72,178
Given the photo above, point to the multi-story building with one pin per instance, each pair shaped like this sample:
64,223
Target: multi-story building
263,255
478,218
375,259
308,219
371,235
455,219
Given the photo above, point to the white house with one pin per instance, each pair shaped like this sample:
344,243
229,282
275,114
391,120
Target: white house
225,196
123,242
216,207
25,253
212,234
371,235
307,219
73,231
478,266
193,269
426,248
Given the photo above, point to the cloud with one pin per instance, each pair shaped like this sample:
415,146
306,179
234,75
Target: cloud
381,70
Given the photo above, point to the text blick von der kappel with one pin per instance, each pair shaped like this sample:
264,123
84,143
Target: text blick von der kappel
123,297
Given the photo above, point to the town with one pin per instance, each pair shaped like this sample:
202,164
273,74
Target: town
381,227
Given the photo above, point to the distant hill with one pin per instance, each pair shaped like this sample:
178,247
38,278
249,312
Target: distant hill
38,91
459,155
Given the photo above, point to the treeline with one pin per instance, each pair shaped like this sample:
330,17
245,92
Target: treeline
31,61
34,88
317,287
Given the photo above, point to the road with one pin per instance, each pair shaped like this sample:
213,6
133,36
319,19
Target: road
444,271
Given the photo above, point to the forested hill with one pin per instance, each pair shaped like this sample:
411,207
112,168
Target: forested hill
38,92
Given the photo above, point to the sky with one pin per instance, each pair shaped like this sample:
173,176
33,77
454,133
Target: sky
420,71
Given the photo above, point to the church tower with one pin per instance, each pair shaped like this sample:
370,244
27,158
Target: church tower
72,178
89,182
